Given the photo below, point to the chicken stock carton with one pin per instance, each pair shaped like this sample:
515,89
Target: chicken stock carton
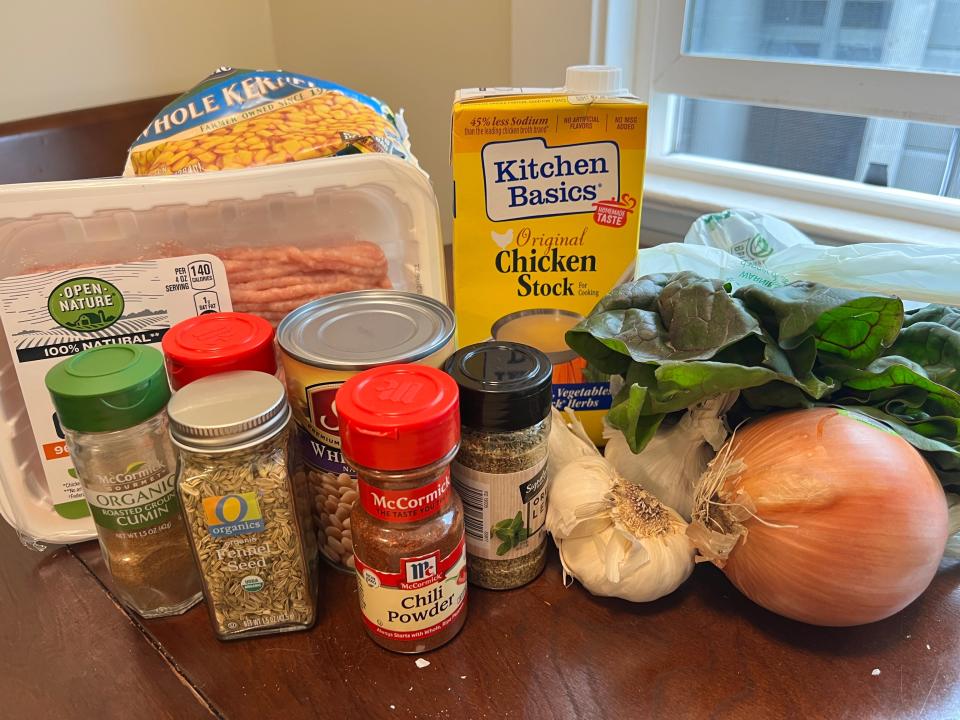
547,192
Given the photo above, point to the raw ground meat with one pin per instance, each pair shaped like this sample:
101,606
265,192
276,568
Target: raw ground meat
273,280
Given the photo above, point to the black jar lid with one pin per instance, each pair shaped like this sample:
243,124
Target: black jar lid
503,385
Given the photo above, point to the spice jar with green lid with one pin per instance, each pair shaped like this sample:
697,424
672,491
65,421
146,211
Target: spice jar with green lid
110,402
500,471
248,515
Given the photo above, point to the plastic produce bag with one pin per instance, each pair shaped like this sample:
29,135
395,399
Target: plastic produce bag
919,273
746,234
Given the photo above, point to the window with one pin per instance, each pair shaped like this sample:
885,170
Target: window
846,104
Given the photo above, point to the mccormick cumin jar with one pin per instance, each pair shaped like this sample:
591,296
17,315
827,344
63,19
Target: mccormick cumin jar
322,344
400,429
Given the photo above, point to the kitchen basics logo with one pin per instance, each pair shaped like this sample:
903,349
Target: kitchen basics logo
233,514
85,304
528,178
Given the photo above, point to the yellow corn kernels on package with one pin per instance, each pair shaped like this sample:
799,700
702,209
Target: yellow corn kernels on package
240,118
547,191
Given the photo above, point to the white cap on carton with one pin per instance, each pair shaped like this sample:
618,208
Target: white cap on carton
594,80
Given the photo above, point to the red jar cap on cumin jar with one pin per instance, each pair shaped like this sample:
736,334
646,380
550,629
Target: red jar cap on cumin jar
216,343
398,417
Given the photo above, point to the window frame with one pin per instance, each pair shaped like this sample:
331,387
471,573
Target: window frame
645,37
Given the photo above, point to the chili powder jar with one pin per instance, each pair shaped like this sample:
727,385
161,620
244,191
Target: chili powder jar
400,430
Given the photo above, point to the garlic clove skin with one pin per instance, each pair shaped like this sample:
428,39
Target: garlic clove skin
671,464
612,564
566,444
576,504
639,564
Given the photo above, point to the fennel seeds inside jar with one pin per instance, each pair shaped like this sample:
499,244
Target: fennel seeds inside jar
500,471
247,514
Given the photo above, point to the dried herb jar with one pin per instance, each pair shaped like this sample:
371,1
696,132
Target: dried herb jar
247,515
110,403
399,429
500,472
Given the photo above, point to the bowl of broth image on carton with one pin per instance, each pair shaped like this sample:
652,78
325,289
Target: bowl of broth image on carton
573,383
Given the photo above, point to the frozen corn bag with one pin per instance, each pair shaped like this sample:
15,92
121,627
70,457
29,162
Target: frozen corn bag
241,118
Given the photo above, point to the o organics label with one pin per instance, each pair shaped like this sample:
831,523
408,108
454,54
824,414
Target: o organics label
233,514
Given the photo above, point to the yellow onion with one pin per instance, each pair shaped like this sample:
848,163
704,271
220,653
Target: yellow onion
822,515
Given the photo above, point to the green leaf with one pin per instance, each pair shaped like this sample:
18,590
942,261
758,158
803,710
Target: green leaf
134,466
679,317
897,380
504,534
72,473
517,523
504,548
523,535
847,324
935,347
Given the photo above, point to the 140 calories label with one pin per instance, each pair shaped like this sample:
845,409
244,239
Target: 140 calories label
426,596
54,314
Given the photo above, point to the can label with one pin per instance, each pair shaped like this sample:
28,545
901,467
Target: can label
426,596
404,506
503,513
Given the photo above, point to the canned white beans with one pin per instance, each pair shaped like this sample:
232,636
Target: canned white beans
322,344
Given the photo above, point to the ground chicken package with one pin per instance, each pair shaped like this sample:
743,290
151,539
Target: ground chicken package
238,118
95,262
547,191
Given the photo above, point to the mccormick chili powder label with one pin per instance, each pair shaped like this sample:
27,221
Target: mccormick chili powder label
425,597
404,506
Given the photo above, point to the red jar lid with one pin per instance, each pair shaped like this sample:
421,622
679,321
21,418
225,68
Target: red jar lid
398,417
218,342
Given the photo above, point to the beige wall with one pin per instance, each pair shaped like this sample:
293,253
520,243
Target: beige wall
412,55
58,55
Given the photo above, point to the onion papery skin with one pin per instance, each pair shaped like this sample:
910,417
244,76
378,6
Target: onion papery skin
870,517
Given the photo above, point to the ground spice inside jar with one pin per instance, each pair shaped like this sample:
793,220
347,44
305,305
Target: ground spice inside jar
400,429
500,471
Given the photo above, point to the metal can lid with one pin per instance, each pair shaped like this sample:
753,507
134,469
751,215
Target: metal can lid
228,411
366,328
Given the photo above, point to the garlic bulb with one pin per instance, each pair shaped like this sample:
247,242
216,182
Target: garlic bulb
613,536
673,461
567,442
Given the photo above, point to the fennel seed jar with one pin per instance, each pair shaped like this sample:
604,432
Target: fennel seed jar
500,471
110,402
326,342
247,515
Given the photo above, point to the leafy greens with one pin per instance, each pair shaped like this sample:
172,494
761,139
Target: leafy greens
678,339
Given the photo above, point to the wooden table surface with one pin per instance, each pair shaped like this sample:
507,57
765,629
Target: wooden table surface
542,651
69,650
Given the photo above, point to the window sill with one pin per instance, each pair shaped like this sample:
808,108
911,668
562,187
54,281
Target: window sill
680,188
